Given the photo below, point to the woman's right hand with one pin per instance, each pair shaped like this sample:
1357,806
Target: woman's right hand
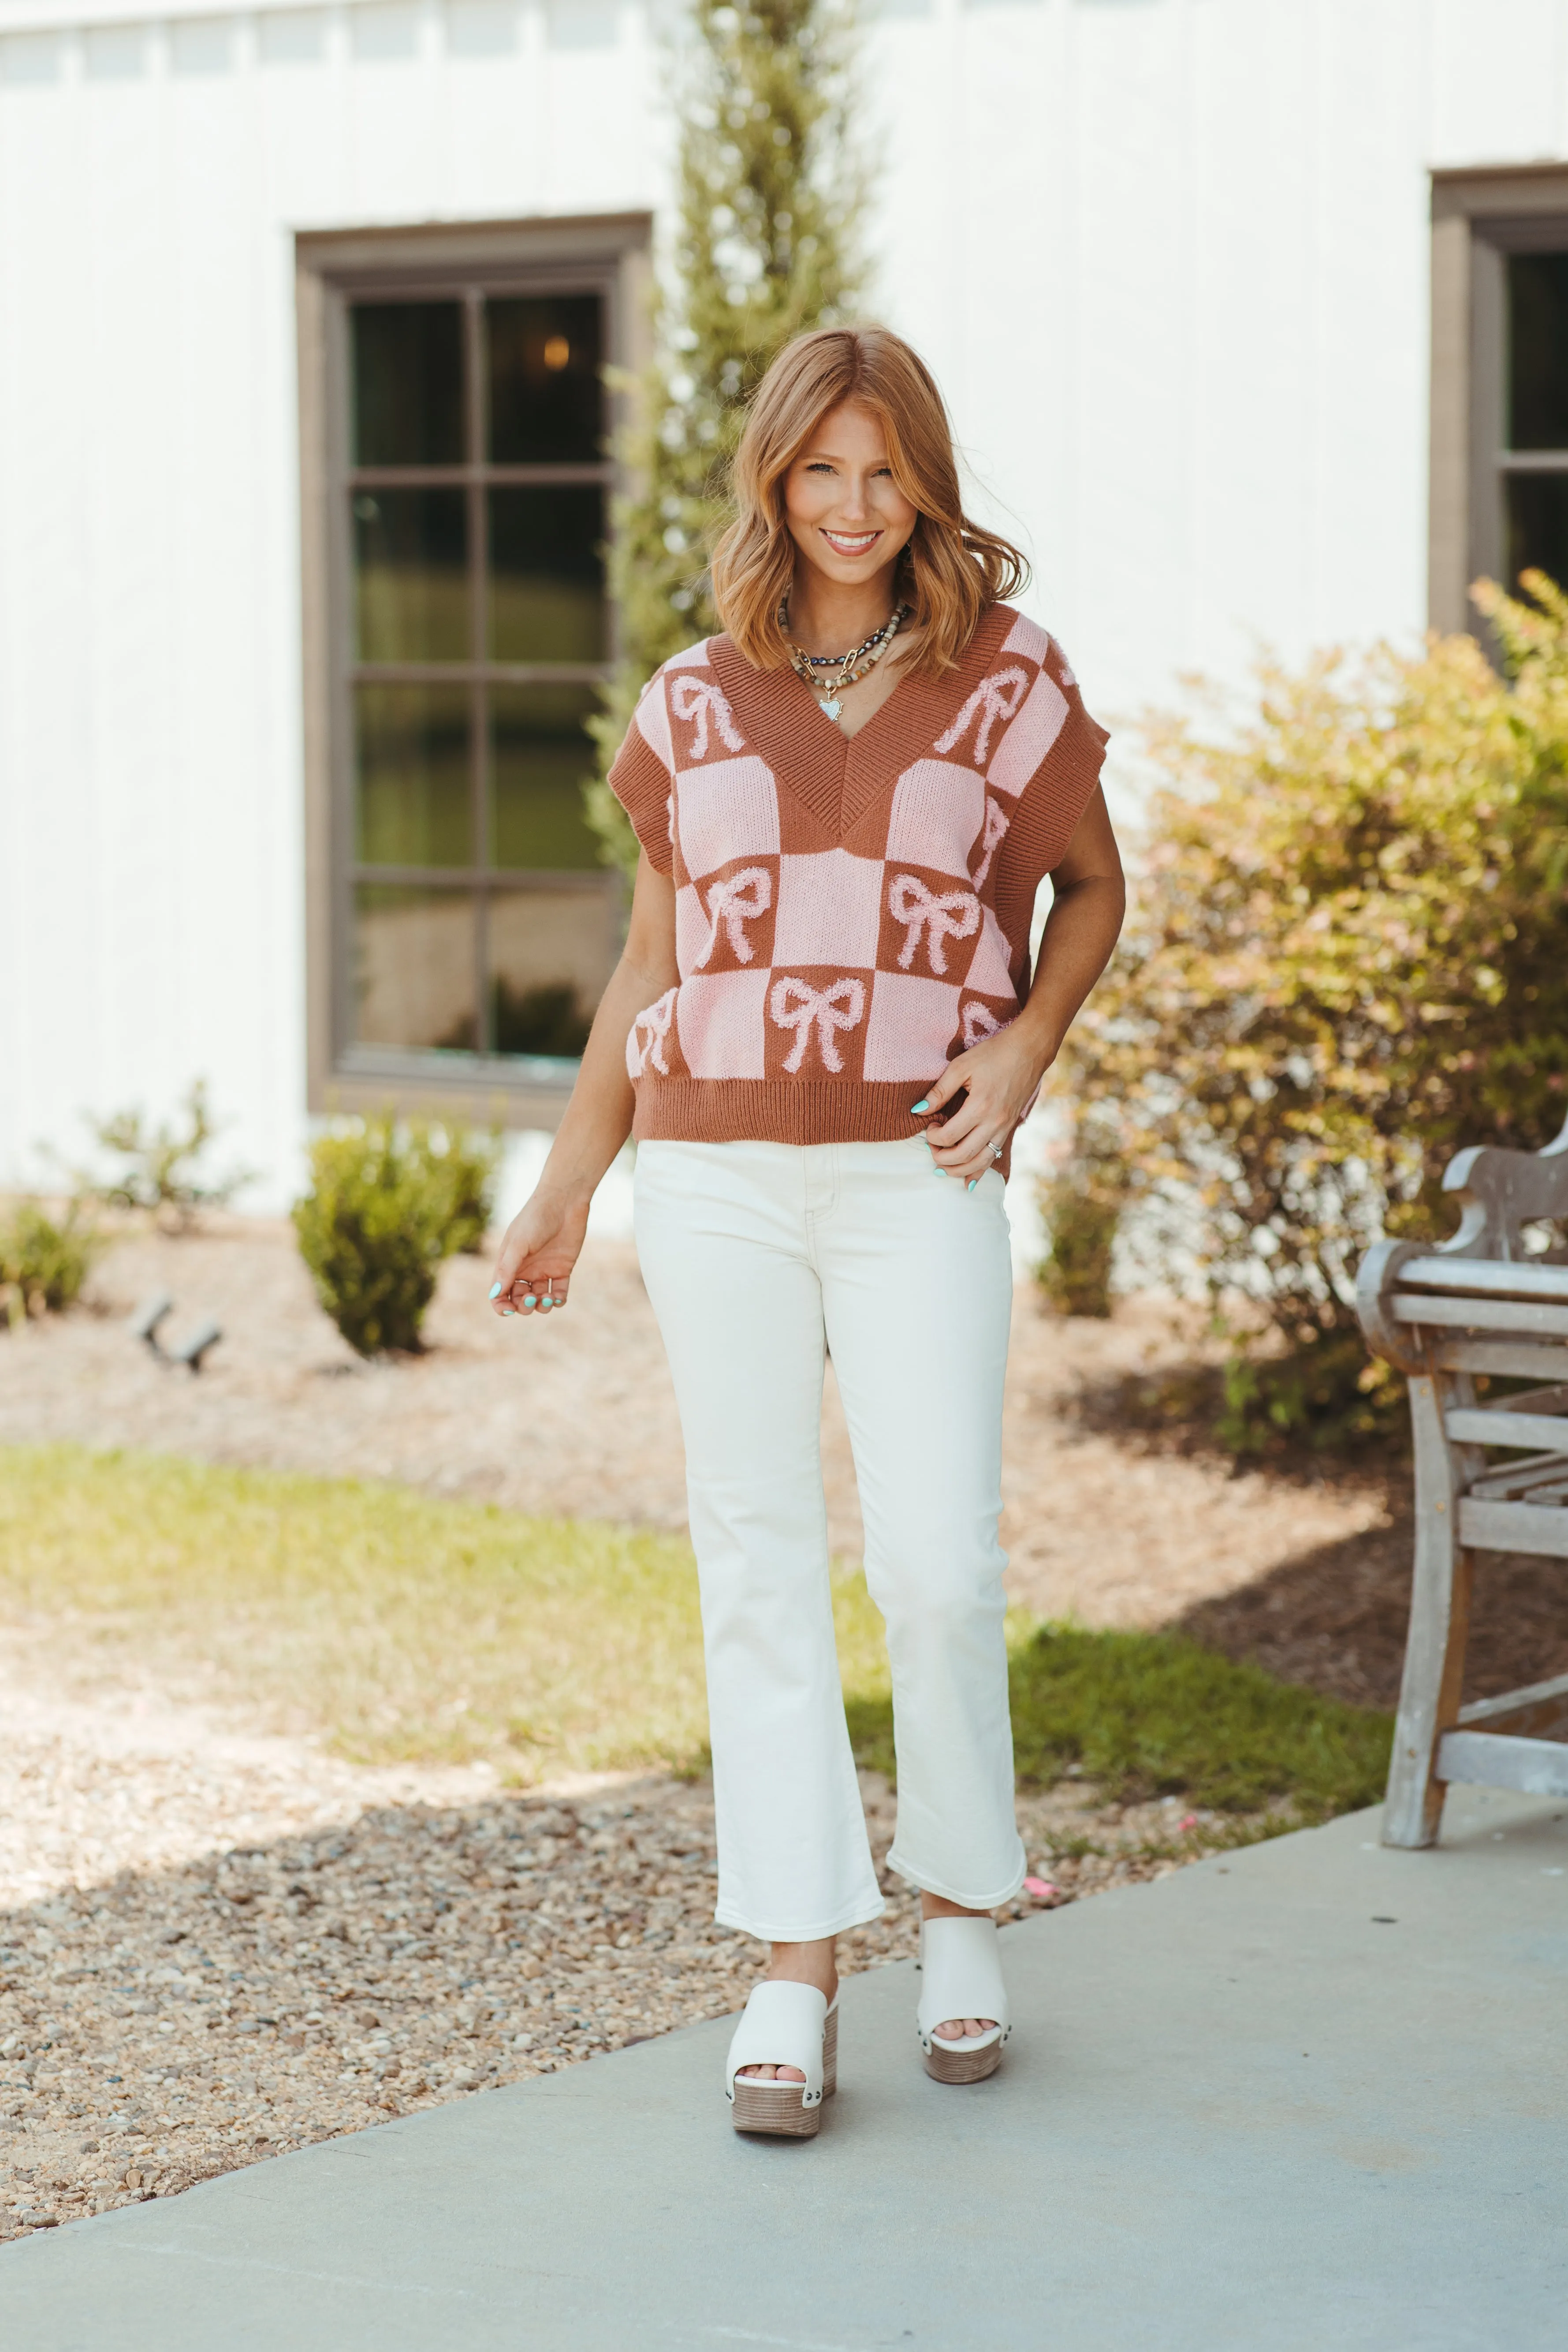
543,1242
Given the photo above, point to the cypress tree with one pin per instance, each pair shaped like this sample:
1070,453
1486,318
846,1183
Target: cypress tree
768,192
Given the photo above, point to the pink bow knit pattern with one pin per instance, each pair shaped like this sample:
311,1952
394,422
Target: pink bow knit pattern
996,697
795,1005
737,900
694,700
997,823
646,1051
954,915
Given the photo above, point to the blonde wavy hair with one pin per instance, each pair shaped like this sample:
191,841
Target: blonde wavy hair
952,571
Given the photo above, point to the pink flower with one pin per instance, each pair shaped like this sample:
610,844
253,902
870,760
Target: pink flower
1040,1888
1188,1822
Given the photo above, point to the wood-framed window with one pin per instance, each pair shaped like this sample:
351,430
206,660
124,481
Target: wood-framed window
1500,383
456,480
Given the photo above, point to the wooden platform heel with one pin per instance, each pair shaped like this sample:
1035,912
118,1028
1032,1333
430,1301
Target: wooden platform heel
783,2025
960,1975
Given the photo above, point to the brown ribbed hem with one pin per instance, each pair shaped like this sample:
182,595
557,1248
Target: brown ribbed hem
778,1110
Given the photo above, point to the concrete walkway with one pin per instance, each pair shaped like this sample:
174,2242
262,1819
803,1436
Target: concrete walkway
1309,2098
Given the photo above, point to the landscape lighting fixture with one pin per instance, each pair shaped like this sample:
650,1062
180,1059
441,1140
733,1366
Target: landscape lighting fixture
145,1323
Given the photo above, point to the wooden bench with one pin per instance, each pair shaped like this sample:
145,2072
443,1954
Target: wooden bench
1477,1304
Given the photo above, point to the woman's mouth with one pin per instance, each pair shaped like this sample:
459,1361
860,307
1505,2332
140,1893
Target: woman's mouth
844,542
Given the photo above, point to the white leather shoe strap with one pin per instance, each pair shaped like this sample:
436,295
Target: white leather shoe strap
960,1975
781,2025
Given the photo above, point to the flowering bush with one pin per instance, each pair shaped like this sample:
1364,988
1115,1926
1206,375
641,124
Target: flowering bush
1347,958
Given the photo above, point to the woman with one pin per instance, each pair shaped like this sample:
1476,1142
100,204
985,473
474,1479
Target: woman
845,804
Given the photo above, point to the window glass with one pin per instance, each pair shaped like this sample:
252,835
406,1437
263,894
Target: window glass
411,578
413,801
540,754
549,954
547,574
483,921
415,968
543,363
1538,350
408,390
1538,524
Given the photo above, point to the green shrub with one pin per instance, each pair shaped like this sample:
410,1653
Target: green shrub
158,1170
1348,957
386,1205
44,1259
1082,1205
1327,1395
470,1164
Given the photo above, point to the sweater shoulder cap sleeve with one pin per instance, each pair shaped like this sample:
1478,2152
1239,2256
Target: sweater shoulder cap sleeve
1047,763
642,775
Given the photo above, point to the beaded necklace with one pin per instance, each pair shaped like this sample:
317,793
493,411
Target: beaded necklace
851,666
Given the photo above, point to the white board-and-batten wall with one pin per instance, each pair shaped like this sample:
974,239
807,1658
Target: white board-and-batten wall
1170,259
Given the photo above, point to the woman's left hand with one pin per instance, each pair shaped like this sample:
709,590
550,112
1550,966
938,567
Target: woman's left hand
1002,1074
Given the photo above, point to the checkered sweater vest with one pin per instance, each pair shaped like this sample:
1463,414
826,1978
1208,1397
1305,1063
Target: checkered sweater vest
851,911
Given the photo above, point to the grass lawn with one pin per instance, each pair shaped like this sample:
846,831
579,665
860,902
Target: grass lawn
401,1627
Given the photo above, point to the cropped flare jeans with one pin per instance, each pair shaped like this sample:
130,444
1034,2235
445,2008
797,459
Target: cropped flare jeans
759,1257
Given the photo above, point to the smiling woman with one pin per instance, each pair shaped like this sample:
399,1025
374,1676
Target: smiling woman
847,460
845,804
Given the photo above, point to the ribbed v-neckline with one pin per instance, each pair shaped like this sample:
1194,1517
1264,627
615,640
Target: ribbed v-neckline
834,776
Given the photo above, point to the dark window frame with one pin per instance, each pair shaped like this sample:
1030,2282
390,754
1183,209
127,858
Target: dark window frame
1479,219
605,254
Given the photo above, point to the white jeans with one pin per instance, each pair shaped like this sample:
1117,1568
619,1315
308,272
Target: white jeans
753,1255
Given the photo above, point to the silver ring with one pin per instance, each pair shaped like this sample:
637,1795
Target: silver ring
996,1150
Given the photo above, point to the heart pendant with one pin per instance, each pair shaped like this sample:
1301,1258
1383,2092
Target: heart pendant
831,710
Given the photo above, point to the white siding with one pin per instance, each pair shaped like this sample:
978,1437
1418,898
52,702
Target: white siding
1169,257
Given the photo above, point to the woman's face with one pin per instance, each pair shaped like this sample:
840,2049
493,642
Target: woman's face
846,513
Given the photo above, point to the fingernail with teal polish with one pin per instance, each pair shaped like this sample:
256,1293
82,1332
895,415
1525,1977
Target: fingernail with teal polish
509,1310
916,1109
530,1300
495,1290
973,1182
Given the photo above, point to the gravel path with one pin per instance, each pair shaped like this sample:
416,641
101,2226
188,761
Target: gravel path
214,1949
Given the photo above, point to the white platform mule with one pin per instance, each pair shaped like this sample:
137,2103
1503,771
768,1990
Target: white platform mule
960,1975
783,2025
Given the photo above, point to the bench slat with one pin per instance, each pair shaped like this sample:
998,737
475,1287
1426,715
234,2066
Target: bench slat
1514,1526
1494,1760
1515,1360
1492,1278
1538,1711
1496,1425
1476,1315
1515,1482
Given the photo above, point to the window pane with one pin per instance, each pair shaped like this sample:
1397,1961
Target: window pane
407,360
1538,525
411,584
547,576
414,805
551,952
541,755
414,967
546,404
1538,350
